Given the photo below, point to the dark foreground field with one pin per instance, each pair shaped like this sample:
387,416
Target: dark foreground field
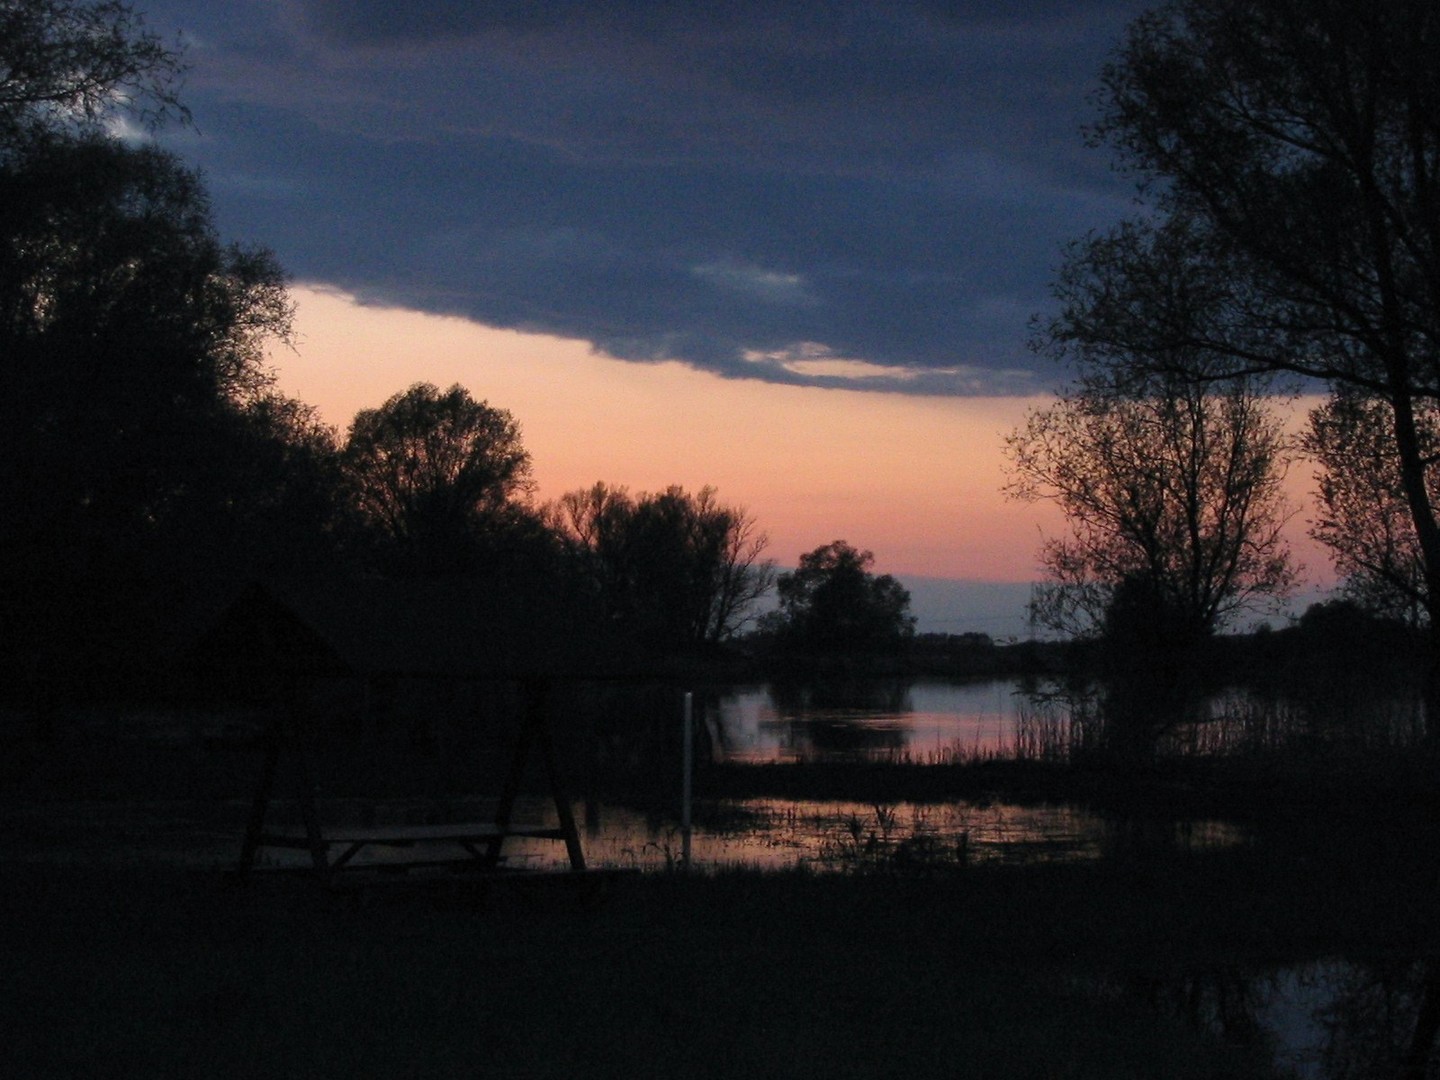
1019,972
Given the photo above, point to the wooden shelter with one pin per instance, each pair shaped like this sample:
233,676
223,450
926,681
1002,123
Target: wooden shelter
274,639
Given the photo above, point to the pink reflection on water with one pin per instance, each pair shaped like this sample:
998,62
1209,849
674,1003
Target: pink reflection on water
928,720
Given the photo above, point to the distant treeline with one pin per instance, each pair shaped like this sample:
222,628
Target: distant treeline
1337,640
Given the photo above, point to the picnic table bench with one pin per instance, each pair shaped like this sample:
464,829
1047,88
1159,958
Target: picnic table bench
469,838
475,846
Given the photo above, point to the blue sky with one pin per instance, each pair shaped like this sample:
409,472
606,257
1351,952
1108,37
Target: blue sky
790,249
850,193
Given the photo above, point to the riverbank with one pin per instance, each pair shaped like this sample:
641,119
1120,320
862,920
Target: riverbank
122,963
1375,787
1378,787
134,971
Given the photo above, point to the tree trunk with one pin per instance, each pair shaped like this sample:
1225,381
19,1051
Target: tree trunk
1427,532
1427,1026
1430,687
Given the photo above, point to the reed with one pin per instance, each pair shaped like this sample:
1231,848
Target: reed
887,847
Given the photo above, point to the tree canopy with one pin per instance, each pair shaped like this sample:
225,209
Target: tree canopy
1362,513
146,446
832,603
1288,156
69,63
128,330
673,568
1171,488
435,473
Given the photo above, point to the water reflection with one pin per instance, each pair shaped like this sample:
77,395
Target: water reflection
1331,1019
844,836
939,721
859,698
768,834
924,720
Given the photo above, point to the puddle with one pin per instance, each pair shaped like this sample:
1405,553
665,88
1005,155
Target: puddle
754,833
1325,1019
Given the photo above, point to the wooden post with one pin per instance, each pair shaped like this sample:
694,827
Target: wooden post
263,794
688,752
534,725
309,813
531,692
563,811
283,740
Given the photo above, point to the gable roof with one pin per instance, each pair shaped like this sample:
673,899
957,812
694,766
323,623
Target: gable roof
448,628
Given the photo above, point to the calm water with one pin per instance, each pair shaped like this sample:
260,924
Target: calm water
1332,1018
936,720
928,719
923,720
758,833
1319,1018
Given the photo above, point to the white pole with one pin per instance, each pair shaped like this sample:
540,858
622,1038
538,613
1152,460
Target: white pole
689,754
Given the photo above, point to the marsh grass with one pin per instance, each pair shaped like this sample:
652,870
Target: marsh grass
1056,725
136,973
882,844
1246,724
920,963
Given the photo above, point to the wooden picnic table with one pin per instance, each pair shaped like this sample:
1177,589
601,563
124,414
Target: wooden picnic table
476,846
468,837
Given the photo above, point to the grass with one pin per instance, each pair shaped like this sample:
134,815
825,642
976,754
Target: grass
147,972
129,970
1248,761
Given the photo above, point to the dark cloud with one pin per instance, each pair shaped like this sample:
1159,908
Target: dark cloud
762,190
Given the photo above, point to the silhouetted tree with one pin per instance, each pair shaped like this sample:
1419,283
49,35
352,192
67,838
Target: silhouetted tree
1287,152
146,449
67,63
1363,515
1152,668
1168,485
833,604
134,396
1381,1017
124,325
437,477
278,495
673,568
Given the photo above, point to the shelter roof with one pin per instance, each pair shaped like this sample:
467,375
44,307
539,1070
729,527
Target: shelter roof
451,628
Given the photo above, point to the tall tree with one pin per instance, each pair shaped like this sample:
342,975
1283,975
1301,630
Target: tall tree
145,446
742,575
128,332
437,476
126,324
1289,153
131,355
1170,488
672,567
833,603
277,499
1362,512
68,63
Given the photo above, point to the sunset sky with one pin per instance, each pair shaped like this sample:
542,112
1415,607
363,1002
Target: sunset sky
786,249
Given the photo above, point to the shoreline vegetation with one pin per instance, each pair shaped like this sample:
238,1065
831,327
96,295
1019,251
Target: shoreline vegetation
1044,970
903,962
1307,734
886,956
194,561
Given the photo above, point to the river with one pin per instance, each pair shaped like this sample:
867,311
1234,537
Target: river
924,720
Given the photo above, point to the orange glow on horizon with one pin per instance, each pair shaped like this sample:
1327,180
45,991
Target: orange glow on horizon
915,479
